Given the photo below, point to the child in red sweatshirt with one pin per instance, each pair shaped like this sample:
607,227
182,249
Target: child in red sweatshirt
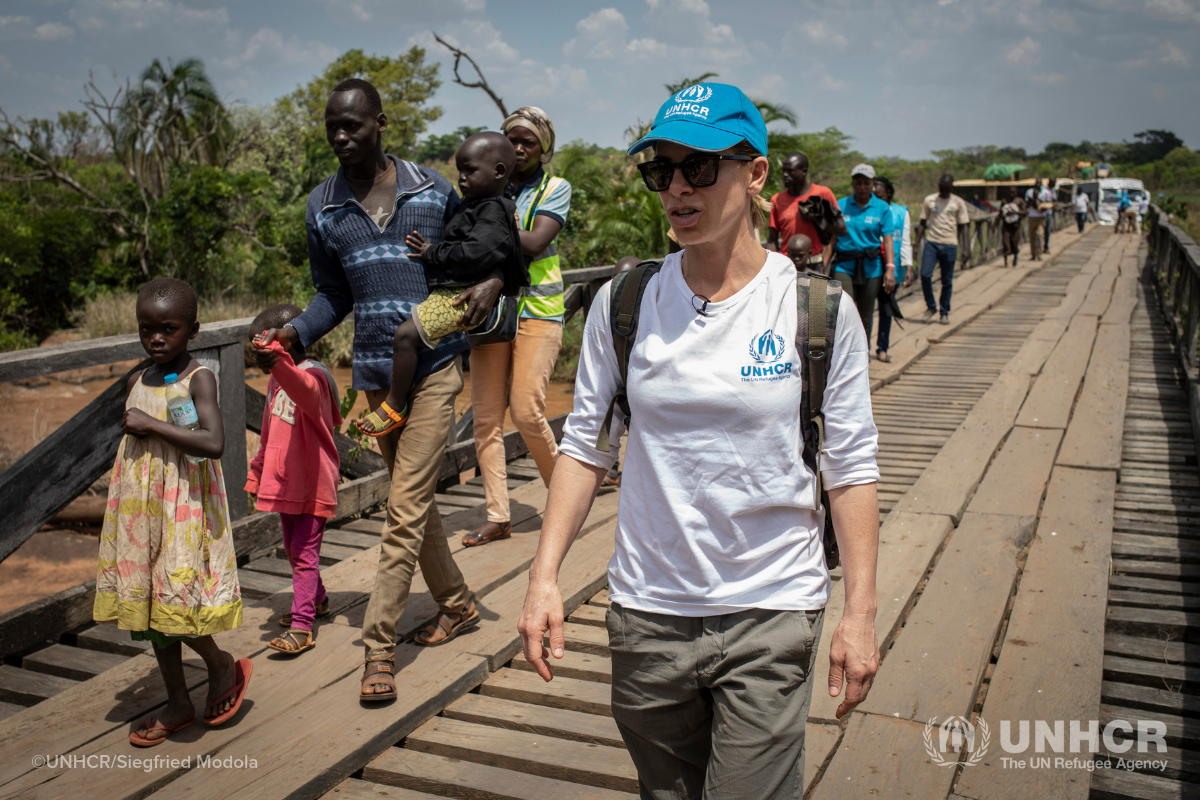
296,470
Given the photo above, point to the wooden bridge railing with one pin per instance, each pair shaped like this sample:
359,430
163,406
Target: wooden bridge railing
1173,260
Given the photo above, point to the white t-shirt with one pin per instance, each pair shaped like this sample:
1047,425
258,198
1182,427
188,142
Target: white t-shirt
1081,203
717,511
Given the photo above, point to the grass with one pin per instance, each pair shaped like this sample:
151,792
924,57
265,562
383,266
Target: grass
114,313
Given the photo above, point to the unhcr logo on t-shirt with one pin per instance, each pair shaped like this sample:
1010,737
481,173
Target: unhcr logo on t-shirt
688,102
767,349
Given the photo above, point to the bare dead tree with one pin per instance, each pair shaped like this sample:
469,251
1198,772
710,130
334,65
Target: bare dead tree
482,83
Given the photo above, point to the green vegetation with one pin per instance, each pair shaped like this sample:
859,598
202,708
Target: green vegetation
157,177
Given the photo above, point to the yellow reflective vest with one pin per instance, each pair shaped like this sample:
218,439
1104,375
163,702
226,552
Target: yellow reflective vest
544,296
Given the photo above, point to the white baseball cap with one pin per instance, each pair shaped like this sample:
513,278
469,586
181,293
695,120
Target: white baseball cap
863,169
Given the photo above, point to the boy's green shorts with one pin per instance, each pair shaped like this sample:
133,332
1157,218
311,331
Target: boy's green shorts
436,317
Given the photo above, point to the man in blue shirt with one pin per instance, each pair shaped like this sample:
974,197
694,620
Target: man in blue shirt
864,259
357,221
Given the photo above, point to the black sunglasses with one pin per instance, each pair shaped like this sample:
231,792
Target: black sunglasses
699,170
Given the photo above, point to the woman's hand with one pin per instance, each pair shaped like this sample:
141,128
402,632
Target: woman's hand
543,612
417,244
137,422
853,661
889,279
479,299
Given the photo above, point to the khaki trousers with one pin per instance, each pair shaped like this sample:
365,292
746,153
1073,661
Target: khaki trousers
1035,240
513,375
413,531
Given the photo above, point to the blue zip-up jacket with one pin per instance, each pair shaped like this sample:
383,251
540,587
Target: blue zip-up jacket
355,266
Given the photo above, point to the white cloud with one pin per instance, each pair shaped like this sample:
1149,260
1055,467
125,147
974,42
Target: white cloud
687,25
1136,63
137,16
1173,55
646,47
15,28
1027,51
819,75
822,34
1050,79
267,47
53,32
599,35
1179,10
478,37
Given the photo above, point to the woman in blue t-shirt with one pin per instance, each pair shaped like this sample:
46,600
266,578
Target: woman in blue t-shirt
902,242
869,227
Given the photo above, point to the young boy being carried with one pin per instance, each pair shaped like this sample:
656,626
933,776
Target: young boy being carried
480,239
296,470
799,250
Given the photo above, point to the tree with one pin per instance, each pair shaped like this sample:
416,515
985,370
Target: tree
1151,145
481,83
442,148
405,83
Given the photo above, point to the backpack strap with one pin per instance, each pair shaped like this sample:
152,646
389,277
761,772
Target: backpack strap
818,299
624,303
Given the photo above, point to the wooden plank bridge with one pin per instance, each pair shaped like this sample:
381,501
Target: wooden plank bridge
1039,562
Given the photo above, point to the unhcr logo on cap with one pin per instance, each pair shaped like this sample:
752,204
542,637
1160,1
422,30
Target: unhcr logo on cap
688,101
696,93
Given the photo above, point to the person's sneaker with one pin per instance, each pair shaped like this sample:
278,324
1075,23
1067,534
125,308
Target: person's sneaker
928,315
944,319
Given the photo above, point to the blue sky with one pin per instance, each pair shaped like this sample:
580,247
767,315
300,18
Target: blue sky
903,77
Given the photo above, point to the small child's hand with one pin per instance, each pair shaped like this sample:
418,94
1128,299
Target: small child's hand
137,422
417,244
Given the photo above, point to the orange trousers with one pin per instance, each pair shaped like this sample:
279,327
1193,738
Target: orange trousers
513,375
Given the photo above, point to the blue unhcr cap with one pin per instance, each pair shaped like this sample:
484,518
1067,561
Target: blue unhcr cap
708,117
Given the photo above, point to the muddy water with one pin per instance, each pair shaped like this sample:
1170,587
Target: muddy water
57,559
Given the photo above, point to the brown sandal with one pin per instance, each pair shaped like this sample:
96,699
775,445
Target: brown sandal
477,537
378,673
285,621
442,629
291,642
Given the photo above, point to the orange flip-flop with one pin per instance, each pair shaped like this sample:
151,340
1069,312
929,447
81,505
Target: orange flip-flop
150,726
242,668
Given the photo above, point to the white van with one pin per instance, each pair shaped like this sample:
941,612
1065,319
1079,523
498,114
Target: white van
1110,190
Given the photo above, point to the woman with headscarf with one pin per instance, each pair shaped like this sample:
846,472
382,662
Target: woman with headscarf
516,374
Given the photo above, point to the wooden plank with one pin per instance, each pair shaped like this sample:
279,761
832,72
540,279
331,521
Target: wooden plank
260,584
583,666
954,473
1151,621
231,391
1164,650
934,669
560,723
1015,482
278,567
567,693
46,619
1150,697
1094,436
75,663
1053,393
1120,784
1152,600
454,777
586,638
332,553
1050,665
24,687
9,709
108,638
907,546
590,764
354,789
1150,673
583,572
819,743
19,364
85,711
359,541
60,467
883,757
589,615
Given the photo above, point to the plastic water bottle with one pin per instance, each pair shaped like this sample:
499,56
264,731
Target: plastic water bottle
183,410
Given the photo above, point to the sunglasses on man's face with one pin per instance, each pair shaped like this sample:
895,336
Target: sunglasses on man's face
699,170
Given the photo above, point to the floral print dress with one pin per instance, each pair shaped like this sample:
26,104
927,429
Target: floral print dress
167,562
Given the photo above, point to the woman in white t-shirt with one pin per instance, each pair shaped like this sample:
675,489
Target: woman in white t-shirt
719,580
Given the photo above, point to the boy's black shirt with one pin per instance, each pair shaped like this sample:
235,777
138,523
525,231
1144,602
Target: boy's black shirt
481,237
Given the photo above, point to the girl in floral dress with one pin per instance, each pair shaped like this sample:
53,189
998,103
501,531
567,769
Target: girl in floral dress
167,570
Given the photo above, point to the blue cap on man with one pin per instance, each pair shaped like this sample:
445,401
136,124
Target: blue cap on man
708,117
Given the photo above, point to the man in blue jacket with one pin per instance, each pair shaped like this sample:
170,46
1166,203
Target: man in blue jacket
357,221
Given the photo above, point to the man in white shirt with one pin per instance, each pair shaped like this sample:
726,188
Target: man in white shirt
944,216
1047,196
1083,207
1037,222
